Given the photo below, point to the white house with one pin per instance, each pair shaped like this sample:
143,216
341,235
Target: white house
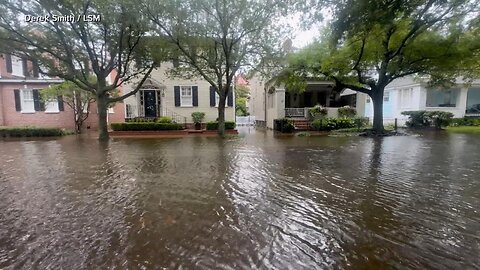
269,102
407,94
177,98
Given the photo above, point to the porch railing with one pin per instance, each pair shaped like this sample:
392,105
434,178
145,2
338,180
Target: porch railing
296,112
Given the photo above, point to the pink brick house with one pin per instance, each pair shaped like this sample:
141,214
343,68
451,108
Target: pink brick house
20,104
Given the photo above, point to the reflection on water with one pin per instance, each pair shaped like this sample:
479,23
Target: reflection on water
254,202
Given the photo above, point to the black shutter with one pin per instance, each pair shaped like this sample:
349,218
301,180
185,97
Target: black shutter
177,95
195,96
8,60
36,100
35,68
212,96
230,98
60,104
25,67
18,104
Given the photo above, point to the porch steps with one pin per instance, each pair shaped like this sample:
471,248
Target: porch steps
301,124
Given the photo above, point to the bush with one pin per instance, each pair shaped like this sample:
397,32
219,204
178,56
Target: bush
418,119
134,126
198,117
141,120
317,112
361,122
284,125
347,112
31,132
165,119
214,125
325,124
456,122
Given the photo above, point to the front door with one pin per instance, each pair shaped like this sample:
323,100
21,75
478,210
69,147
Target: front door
150,101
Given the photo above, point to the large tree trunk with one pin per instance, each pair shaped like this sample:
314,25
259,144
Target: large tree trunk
221,116
102,117
377,99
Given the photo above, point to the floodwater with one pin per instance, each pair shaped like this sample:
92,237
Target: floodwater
252,202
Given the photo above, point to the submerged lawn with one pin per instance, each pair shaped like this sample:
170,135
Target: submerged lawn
464,129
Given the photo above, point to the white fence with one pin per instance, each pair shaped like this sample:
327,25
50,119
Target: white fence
245,120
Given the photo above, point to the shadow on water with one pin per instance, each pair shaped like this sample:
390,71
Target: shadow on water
256,201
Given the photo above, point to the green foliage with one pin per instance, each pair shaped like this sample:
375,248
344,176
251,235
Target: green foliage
139,126
327,124
142,120
418,119
241,106
164,119
214,125
198,117
466,121
361,122
284,125
317,112
347,111
31,132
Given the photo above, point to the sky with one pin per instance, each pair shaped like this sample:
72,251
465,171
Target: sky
303,37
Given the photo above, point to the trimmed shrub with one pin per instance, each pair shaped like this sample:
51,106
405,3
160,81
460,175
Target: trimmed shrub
141,120
317,112
418,119
283,125
165,119
347,112
325,124
214,125
456,122
134,126
31,132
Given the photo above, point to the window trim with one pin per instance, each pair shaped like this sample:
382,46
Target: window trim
22,101
182,87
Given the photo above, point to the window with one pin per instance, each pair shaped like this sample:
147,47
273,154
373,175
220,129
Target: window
186,98
217,100
27,101
111,110
51,106
442,98
386,96
405,97
17,66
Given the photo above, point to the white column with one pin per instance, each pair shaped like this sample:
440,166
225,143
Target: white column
279,103
462,101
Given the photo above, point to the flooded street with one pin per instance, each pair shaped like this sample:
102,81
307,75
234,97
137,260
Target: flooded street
250,202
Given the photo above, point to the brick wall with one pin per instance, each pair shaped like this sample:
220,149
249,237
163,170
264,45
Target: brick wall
63,119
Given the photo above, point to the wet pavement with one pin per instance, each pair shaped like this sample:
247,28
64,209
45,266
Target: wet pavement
256,201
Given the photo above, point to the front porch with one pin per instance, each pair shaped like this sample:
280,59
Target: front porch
297,104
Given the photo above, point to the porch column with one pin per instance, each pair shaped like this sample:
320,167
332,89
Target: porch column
462,101
279,103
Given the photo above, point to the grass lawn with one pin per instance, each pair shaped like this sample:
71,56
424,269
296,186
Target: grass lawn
464,129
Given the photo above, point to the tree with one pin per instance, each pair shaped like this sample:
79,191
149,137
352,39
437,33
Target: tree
241,98
216,38
75,98
389,40
74,44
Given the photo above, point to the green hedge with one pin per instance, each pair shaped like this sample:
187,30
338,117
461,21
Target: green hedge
438,119
134,126
283,125
214,125
31,132
327,124
456,122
